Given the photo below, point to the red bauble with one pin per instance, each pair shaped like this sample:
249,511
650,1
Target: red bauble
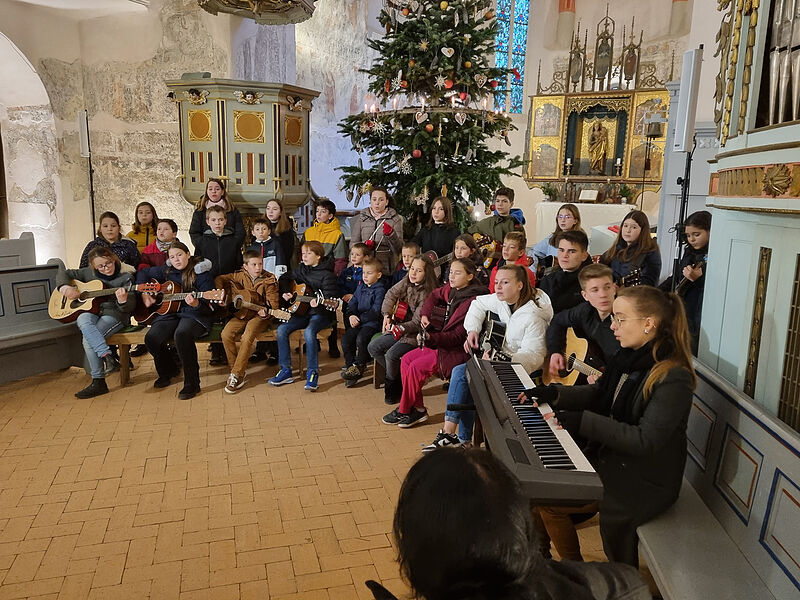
387,86
463,96
404,84
495,83
492,207
417,153
429,127
405,12
448,83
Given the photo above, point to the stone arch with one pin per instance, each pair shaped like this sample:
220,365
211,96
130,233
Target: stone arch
30,152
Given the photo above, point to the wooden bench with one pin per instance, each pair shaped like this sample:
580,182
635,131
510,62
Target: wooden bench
734,533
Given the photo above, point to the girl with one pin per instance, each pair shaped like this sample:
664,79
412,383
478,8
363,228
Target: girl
387,349
192,321
634,249
155,254
109,236
697,228
440,233
215,195
567,219
380,227
637,414
280,228
114,314
441,344
465,247
144,225
526,312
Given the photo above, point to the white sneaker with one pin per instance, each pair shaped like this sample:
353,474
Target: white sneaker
443,440
234,384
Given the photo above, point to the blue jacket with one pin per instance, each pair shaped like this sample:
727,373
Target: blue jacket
366,304
349,279
398,275
203,313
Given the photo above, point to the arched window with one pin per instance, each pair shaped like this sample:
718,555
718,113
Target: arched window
510,43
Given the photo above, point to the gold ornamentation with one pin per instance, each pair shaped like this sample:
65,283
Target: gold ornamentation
248,126
723,50
777,180
751,9
199,125
582,104
759,302
297,104
293,130
248,97
196,96
795,189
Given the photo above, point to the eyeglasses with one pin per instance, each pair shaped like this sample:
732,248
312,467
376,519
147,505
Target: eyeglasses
617,321
563,217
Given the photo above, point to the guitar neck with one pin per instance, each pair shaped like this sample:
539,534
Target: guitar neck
105,292
582,367
444,259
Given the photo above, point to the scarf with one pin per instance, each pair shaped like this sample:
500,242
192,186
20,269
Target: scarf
221,203
163,246
108,278
628,369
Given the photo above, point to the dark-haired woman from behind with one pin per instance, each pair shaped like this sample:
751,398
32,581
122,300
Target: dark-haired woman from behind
637,413
634,251
464,530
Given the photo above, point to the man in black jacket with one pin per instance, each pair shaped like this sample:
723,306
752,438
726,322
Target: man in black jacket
562,285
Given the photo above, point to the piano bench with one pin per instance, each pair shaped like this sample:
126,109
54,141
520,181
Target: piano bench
691,557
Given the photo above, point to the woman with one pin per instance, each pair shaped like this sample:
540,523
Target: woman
215,195
191,322
114,314
379,227
143,230
526,312
440,233
634,258
568,218
109,235
637,413
464,530
440,342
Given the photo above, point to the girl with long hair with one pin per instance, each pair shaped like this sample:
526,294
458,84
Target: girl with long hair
109,235
465,247
143,229
215,195
191,322
568,218
635,249
282,230
637,414
439,234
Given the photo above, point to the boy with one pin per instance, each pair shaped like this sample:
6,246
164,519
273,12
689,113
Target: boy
562,285
350,278
155,253
591,319
513,252
268,248
407,254
364,316
319,279
328,231
263,285
504,220
219,244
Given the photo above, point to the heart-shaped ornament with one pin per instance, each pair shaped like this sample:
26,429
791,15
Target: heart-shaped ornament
480,79
461,118
421,117
448,52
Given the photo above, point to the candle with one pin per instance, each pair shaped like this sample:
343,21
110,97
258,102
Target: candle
618,162
422,101
365,107
372,109
485,102
569,161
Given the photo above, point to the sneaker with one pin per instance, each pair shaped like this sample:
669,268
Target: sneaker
416,416
394,417
443,440
348,383
353,372
312,381
283,376
234,383
110,364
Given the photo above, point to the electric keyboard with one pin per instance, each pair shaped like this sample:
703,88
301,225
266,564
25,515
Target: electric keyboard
546,460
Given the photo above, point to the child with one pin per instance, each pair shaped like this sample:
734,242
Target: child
407,254
363,314
634,249
513,253
319,279
268,247
440,233
155,254
109,236
219,244
504,220
144,225
441,347
567,219
114,313
263,285
562,285
216,195
380,227
389,348
350,278
465,247
328,231
191,322
282,229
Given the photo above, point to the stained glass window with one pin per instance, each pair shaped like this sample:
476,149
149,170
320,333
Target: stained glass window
511,43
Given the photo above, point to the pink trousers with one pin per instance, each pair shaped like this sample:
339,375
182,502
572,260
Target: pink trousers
415,368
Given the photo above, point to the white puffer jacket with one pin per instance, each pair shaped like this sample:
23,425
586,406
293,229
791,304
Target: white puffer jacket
525,329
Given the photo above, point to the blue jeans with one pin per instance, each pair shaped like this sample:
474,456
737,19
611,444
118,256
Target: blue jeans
458,393
312,324
95,330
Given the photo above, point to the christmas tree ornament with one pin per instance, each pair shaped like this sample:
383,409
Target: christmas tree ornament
437,161
448,51
421,117
379,127
467,37
416,153
444,190
440,82
463,96
467,64
489,14
494,83
480,79
387,86
403,164
455,19
404,84
412,63
455,152
429,127
421,199
414,4
405,12
423,45
443,5
448,84
460,118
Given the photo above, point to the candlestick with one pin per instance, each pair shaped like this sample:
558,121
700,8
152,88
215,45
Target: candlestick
569,161
618,162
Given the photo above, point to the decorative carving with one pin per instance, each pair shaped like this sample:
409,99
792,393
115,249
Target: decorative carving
789,398
723,51
759,302
265,12
293,130
751,9
196,96
248,126
777,180
582,104
199,125
248,97
648,79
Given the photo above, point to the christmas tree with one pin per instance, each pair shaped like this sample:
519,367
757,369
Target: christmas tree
427,123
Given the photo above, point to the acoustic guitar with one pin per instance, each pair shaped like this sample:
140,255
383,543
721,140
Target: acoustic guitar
89,297
680,289
481,241
299,304
632,279
246,308
492,338
169,300
576,357
398,315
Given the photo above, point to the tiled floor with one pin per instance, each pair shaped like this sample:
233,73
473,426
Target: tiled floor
269,493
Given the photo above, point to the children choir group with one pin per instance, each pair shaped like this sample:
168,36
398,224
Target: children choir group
416,307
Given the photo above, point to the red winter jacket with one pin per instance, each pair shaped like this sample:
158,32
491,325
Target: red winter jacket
152,256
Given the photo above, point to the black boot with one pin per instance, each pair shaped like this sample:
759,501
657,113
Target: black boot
98,387
392,390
